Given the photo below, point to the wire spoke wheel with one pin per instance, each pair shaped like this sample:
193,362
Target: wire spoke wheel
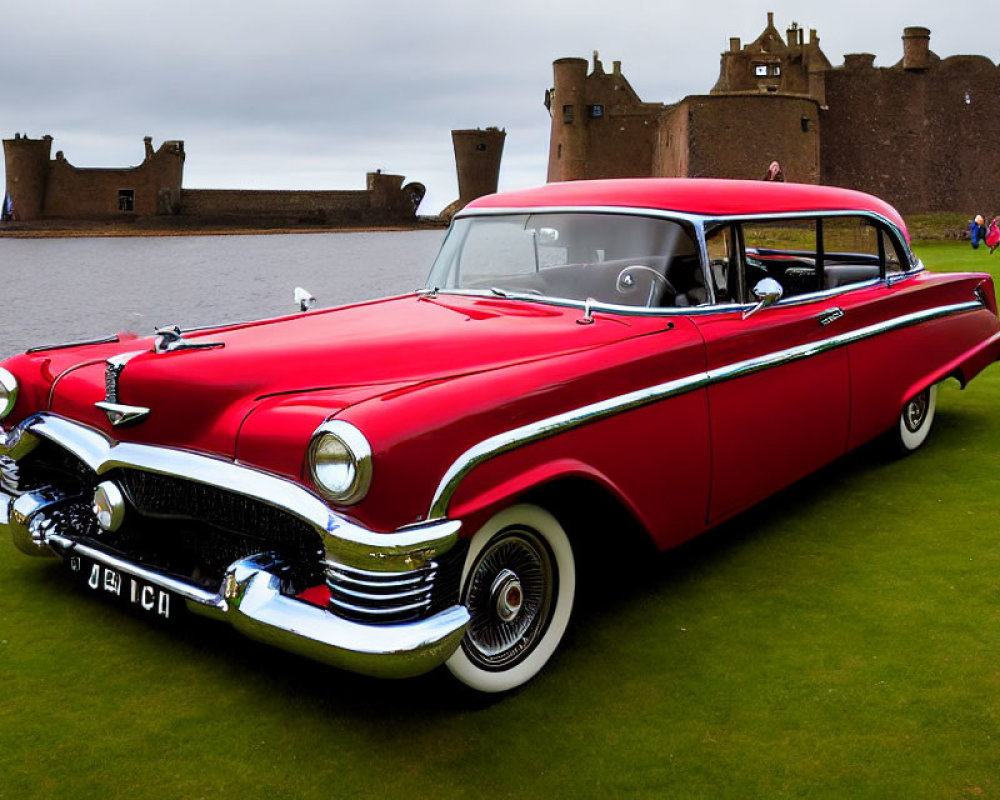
915,420
509,597
916,411
518,584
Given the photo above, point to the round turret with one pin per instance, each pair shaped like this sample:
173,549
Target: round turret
27,164
477,158
567,104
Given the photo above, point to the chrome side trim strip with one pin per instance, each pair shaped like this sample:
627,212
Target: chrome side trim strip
560,423
63,345
344,542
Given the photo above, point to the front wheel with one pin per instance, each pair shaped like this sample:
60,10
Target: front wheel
916,419
518,583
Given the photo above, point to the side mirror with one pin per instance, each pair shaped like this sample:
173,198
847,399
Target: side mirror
303,299
768,292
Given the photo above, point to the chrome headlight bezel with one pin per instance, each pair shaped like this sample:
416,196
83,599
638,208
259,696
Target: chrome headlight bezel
8,392
340,462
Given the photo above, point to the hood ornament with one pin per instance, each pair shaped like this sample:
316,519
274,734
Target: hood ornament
171,339
119,414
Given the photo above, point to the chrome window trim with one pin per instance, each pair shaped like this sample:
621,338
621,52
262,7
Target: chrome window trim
546,428
642,311
701,223
344,542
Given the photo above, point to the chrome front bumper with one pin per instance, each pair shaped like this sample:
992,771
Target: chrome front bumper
249,597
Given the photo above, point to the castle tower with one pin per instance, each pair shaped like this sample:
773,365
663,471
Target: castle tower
567,107
477,158
27,164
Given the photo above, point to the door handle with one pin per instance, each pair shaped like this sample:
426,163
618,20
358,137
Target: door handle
830,315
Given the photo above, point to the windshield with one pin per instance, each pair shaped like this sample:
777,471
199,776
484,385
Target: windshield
612,258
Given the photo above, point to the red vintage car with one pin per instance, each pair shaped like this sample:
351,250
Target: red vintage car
399,484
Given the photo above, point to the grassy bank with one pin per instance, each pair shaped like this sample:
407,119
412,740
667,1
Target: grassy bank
840,640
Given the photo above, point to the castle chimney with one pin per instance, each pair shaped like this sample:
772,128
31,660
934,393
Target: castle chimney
734,44
853,61
598,66
792,35
813,38
916,48
770,19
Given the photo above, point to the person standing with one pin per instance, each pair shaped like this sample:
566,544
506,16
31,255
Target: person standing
993,235
977,231
774,173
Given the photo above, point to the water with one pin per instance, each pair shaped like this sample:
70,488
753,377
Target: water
57,290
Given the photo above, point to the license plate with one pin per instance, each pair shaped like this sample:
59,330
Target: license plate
126,588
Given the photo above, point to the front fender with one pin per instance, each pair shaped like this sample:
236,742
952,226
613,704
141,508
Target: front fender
475,509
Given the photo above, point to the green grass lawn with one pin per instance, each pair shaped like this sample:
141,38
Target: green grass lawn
841,640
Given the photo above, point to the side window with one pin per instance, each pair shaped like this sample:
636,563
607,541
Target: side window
784,250
724,264
853,250
895,262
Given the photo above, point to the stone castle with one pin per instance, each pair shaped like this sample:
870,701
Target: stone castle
920,134
40,188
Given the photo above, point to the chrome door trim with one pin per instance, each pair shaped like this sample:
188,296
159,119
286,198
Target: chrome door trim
560,423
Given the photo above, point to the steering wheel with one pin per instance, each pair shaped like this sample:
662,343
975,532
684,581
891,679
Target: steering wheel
625,282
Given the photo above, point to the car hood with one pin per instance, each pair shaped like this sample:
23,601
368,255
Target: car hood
199,397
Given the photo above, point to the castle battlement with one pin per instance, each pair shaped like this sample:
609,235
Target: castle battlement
916,132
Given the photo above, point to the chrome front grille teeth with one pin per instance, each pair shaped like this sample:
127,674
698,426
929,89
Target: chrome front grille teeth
381,597
10,475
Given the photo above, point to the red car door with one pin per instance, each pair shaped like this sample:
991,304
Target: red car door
778,411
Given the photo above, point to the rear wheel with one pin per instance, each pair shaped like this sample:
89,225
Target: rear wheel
916,419
518,583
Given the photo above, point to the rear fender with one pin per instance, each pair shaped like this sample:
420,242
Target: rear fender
963,368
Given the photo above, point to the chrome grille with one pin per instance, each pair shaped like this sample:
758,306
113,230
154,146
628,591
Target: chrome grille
388,598
10,474
381,597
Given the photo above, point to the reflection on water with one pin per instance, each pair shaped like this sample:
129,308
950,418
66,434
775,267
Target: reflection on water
57,290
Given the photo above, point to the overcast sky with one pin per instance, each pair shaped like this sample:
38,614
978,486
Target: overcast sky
308,95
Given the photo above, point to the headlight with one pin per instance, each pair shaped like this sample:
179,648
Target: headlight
340,462
8,392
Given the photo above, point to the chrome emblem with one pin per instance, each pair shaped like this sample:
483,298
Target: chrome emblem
171,339
117,413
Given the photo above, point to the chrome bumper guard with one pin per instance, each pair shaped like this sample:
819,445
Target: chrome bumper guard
250,596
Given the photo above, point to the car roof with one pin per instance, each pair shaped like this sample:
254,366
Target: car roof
712,197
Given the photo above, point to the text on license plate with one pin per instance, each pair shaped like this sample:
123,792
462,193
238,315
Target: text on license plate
102,578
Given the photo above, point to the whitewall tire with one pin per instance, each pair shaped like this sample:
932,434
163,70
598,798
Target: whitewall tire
916,419
518,583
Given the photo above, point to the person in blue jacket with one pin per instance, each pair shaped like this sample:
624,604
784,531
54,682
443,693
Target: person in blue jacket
977,231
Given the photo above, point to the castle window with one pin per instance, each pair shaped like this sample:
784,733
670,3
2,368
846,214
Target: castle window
596,111
760,70
126,199
776,69
805,124
568,114
481,146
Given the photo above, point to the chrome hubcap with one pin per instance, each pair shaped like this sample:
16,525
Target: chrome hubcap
916,411
510,596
